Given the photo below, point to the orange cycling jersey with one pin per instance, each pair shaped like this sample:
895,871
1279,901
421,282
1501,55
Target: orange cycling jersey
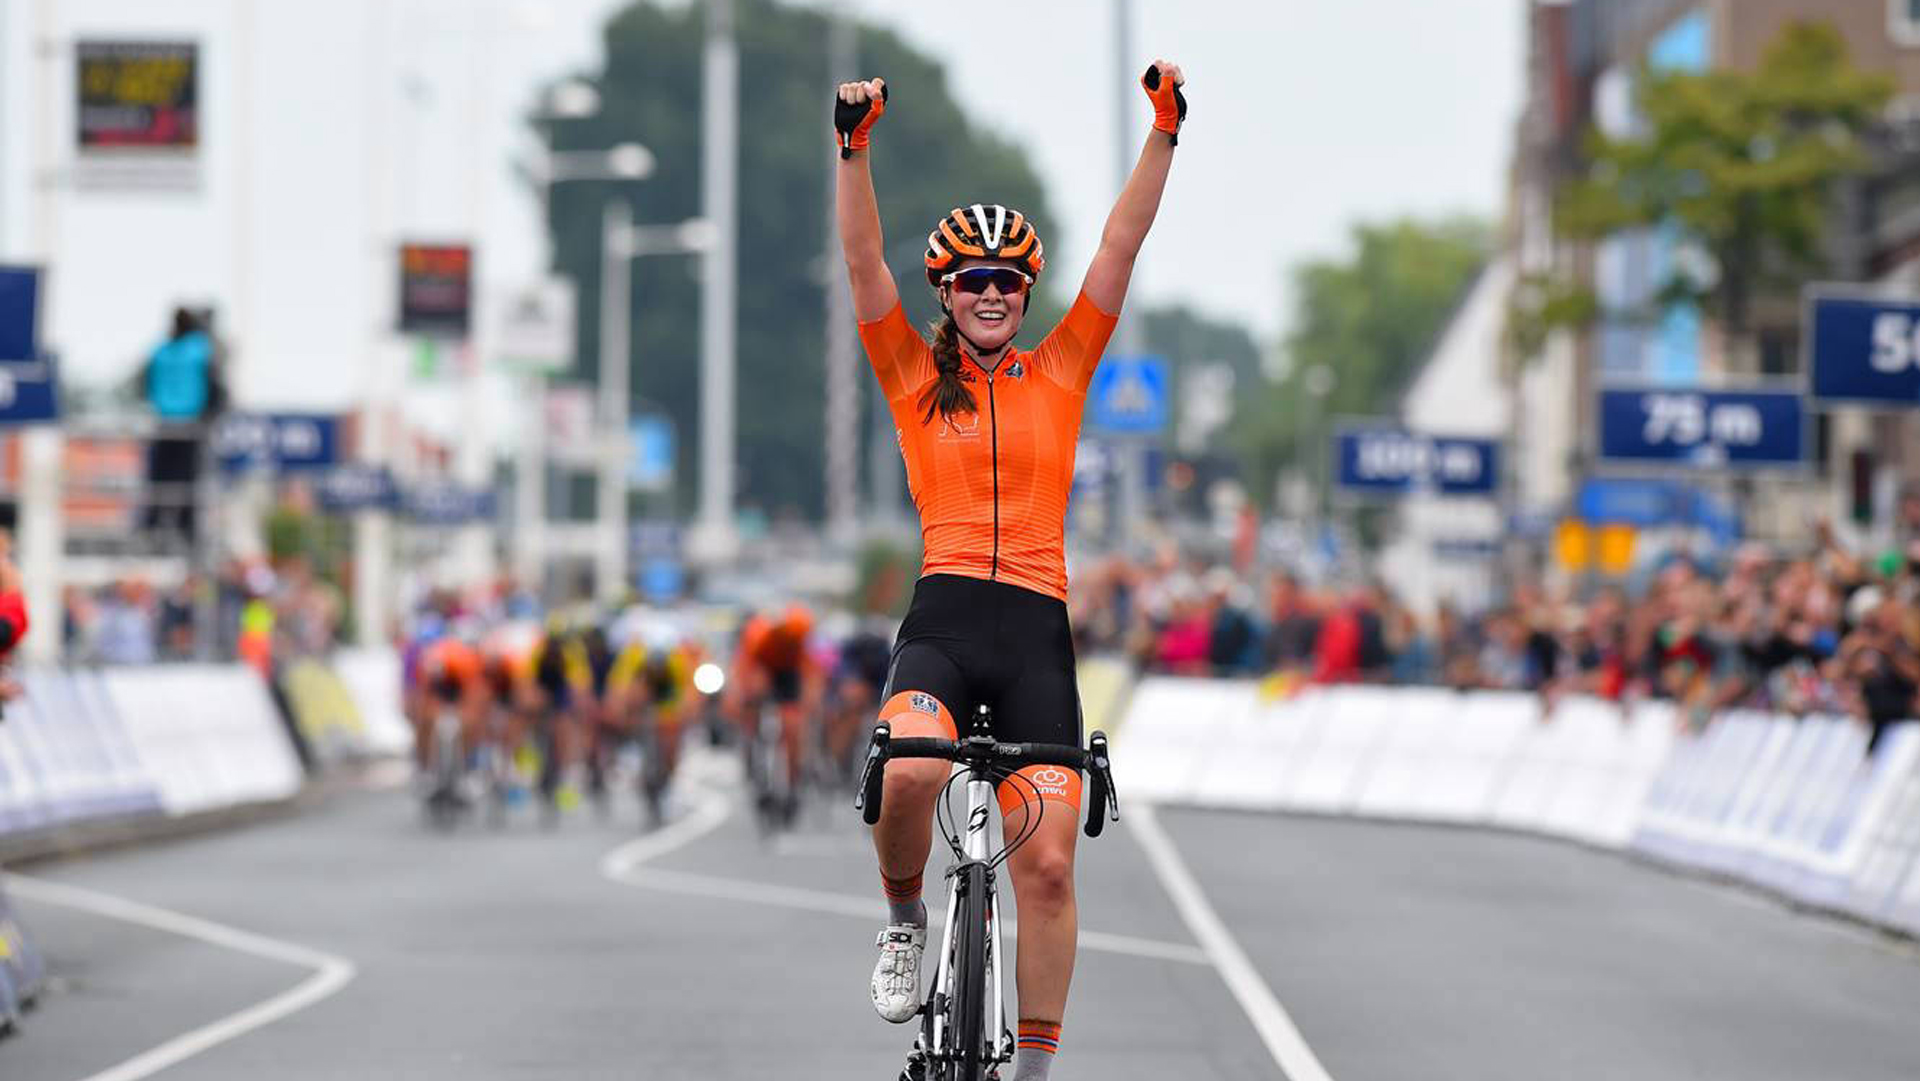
992,486
771,645
450,662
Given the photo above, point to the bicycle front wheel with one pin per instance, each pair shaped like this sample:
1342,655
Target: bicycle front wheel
967,1005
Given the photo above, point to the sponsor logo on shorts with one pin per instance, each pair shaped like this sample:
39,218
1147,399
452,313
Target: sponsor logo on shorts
924,703
1050,780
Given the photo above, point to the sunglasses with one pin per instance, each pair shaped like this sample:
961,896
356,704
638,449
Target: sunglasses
976,279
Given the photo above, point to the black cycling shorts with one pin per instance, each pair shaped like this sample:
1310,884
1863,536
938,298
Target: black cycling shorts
969,642
784,685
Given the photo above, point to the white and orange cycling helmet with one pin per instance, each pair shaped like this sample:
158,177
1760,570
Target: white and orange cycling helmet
983,231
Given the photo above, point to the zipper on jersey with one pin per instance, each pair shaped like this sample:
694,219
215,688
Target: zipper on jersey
993,424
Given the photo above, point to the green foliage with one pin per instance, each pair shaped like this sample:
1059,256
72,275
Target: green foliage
1541,303
1370,318
927,158
1743,161
884,576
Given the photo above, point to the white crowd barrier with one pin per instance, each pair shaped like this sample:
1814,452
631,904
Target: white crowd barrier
168,740
1792,804
372,678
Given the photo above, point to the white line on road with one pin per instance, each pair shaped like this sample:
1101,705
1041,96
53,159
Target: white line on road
710,809
1284,1042
330,973
624,865
870,908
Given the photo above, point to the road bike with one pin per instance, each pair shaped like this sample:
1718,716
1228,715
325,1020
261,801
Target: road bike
959,1039
776,799
445,803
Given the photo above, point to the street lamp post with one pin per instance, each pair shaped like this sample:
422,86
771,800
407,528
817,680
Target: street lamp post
626,161
620,242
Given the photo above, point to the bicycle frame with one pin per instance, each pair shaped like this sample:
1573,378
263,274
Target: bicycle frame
976,845
983,761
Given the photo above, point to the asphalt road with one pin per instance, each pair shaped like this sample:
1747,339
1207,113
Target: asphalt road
1398,951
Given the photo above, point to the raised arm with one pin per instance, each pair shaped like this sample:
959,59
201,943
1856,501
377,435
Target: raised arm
855,206
1139,202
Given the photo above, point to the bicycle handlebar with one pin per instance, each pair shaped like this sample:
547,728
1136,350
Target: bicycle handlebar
982,751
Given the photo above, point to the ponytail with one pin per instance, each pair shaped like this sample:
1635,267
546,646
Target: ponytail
948,395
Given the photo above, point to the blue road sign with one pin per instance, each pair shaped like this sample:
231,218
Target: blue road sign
19,313
662,579
1392,461
1703,429
445,503
1863,349
650,453
1129,396
1649,502
28,392
281,442
357,486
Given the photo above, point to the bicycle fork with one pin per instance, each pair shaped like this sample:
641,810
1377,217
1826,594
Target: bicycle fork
975,844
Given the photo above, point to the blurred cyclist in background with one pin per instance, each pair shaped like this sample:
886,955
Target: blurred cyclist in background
13,615
858,678
651,697
775,669
449,681
562,700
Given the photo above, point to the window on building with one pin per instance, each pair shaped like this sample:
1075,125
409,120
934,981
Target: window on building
1778,352
1903,21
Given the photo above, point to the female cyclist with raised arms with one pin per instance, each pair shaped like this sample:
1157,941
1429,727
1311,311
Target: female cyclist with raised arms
988,434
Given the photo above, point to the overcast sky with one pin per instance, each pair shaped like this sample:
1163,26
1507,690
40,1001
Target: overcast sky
1307,115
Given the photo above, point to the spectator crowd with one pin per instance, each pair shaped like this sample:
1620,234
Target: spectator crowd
1818,629
258,612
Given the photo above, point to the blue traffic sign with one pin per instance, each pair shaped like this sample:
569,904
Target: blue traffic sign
281,442
28,392
445,503
1649,502
1863,349
1129,396
1703,429
1393,461
19,313
650,453
357,486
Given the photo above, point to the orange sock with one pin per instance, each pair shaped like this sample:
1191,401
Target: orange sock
1038,1035
903,900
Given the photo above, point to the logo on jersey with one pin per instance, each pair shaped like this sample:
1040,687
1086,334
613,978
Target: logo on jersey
1015,371
924,703
960,425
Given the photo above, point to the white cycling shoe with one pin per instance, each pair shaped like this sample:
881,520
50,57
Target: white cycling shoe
896,976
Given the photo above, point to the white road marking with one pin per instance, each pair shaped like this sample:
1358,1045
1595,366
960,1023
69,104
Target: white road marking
330,973
1284,1042
710,809
870,908
625,865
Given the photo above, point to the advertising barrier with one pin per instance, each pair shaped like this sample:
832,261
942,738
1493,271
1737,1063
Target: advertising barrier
372,680
84,746
1790,804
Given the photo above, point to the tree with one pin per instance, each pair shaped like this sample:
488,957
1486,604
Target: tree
927,158
1370,319
1742,161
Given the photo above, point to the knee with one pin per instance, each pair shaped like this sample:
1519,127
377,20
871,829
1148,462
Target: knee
914,783
1043,881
